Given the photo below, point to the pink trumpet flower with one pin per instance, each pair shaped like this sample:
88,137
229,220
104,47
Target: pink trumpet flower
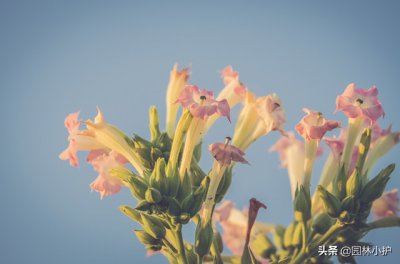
201,103
314,125
357,102
77,140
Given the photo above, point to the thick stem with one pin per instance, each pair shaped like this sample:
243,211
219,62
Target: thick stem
181,246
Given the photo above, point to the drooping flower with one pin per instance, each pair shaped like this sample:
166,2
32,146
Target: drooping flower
113,139
201,103
234,226
106,184
386,205
177,82
255,205
77,140
258,117
314,125
357,102
225,153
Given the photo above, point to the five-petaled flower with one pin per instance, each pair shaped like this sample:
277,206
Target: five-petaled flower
225,153
357,102
314,125
201,103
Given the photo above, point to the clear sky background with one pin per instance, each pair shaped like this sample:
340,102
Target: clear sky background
58,57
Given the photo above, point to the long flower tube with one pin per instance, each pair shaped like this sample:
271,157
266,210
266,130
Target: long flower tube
177,82
224,154
201,104
313,127
114,139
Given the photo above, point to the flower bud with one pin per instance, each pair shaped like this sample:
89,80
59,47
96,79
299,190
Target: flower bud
174,208
131,213
154,123
187,203
218,241
153,226
153,195
164,142
143,206
331,203
185,187
199,196
363,148
354,183
204,238
146,238
136,184
302,205
158,179
375,187
172,181
350,204
155,154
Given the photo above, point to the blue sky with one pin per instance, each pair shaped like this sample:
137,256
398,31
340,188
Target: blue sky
58,57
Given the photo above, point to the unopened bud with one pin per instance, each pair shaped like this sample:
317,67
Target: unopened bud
354,183
331,203
302,205
153,195
153,226
154,123
131,213
375,187
145,238
204,238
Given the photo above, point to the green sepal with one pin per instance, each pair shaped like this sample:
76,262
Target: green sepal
154,226
331,203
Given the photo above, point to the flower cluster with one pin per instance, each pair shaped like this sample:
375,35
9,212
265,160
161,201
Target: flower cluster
164,175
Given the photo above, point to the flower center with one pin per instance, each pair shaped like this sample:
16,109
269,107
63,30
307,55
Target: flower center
203,97
360,101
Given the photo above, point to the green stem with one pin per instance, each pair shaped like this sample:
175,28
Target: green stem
181,246
390,221
304,254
